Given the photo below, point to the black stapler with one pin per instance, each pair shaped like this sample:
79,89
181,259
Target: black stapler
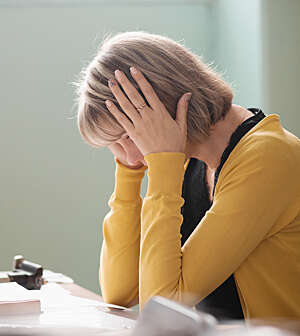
25,273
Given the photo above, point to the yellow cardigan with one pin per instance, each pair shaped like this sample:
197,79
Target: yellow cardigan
251,230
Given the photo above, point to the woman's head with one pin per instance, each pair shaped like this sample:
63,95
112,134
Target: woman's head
170,68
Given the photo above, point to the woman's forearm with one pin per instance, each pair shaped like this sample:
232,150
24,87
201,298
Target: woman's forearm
119,262
160,255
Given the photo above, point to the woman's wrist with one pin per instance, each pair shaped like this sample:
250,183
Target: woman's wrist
140,165
132,167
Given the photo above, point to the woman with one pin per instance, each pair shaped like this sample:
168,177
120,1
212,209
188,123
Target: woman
219,226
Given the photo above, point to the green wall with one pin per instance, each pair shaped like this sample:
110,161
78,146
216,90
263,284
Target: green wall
281,60
54,188
237,48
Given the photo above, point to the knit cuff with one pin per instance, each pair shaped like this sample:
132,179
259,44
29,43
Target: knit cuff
128,181
165,173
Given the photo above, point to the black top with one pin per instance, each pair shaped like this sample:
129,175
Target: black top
224,301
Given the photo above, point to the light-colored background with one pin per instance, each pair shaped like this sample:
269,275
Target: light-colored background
54,188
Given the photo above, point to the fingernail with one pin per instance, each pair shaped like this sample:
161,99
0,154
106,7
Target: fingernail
133,70
188,96
118,74
108,103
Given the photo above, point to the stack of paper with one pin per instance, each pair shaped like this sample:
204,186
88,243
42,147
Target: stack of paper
15,299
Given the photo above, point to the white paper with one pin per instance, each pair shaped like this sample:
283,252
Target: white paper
51,276
13,292
53,296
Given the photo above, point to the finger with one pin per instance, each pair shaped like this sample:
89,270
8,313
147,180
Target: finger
130,90
146,88
182,108
125,104
121,117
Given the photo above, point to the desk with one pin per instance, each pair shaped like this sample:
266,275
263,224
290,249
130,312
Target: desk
41,326
87,294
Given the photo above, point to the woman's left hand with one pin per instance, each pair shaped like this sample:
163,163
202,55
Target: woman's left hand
152,129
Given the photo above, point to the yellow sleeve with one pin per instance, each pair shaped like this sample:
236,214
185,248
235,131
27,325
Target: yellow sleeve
252,191
119,260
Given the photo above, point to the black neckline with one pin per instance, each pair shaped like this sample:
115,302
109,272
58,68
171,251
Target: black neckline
223,302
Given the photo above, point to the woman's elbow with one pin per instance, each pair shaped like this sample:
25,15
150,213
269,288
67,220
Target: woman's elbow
116,292
120,299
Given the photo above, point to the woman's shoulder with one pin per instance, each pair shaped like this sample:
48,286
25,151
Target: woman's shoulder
267,146
269,139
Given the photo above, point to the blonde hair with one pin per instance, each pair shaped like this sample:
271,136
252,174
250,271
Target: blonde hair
170,68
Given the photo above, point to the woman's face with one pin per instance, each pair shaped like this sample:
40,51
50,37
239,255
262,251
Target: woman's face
126,150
